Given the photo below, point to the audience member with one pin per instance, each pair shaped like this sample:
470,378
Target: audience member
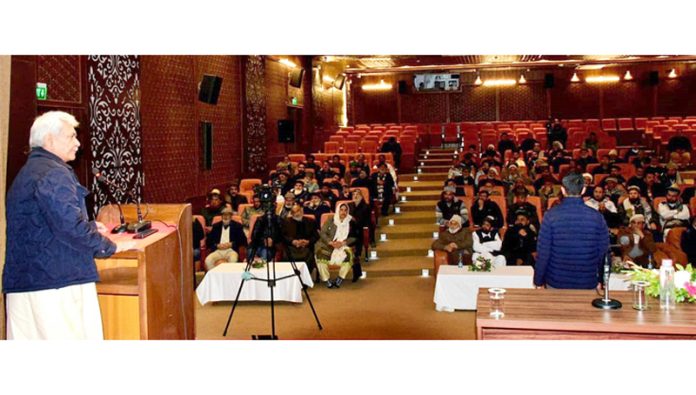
394,147
637,245
311,164
613,189
506,144
672,213
591,142
635,204
360,210
328,195
324,172
198,236
484,207
336,238
336,164
249,212
520,242
488,244
600,202
456,240
299,192
520,204
604,166
213,208
224,240
299,236
316,206
688,241
385,187
449,206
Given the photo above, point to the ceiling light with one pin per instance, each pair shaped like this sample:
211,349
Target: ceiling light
602,79
628,76
672,74
522,80
499,82
287,63
382,86
478,80
575,78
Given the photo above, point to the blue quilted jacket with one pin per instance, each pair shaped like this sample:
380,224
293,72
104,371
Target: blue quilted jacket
572,243
50,241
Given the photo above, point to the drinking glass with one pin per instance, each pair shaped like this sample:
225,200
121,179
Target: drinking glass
497,298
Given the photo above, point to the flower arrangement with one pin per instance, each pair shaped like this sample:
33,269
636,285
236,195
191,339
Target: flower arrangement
481,264
684,281
259,263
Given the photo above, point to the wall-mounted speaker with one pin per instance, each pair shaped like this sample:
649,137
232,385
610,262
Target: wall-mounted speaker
339,81
403,87
210,89
654,78
286,131
296,76
206,129
549,80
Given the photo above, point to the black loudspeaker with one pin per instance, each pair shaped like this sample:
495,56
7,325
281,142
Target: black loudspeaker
654,78
286,131
339,81
403,87
296,76
210,89
206,145
549,81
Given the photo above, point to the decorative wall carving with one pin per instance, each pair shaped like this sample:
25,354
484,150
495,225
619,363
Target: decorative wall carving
255,114
62,75
115,130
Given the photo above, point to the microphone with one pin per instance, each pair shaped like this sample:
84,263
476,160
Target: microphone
138,227
100,177
607,303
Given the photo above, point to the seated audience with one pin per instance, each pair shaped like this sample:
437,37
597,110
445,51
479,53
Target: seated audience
213,208
324,173
299,235
283,210
249,212
336,238
671,176
604,166
316,206
198,236
600,202
233,198
519,244
613,189
506,144
484,207
224,240
336,164
635,204
654,187
637,243
449,206
311,164
639,180
456,240
520,204
488,244
328,195
672,213
299,192
591,142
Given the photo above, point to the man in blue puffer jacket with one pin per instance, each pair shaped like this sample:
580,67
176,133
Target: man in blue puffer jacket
572,243
50,274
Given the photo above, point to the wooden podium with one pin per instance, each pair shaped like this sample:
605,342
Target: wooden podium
147,293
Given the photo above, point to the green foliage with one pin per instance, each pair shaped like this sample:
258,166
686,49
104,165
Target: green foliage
481,264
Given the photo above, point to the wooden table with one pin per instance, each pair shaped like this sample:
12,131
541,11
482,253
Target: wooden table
568,314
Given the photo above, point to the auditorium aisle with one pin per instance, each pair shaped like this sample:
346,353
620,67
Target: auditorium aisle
393,302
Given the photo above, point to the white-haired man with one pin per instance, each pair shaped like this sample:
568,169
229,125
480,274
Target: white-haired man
50,273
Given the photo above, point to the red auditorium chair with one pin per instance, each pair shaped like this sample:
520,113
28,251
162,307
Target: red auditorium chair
331,147
609,124
576,123
350,147
248,184
626,124
297,158
354,138
450,134
592,125
640,123
680,127
670,122
368,146
339,139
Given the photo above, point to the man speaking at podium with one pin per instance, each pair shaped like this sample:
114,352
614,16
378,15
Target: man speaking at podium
50,273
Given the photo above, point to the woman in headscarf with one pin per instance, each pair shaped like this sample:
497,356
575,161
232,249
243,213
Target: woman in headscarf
336,239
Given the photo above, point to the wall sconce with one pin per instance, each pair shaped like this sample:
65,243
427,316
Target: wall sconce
522,79
478,80
575,78
628,76
672,74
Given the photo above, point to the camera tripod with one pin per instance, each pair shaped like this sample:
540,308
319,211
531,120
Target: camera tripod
270,281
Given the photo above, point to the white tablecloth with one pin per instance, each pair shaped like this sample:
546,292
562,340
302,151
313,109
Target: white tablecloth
222,283
457,289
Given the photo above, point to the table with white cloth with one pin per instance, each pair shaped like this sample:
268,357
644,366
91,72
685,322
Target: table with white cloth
222,283
457,289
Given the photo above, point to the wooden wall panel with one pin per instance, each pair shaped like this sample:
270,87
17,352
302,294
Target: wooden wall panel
523,102
473,104
426,107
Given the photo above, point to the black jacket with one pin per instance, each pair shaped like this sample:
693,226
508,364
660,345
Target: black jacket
237,237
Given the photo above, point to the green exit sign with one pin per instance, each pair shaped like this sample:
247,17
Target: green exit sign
41,91
294,101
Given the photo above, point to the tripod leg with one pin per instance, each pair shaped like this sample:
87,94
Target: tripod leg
304,288
236,299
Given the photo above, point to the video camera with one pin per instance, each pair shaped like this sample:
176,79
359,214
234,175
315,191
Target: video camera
265,194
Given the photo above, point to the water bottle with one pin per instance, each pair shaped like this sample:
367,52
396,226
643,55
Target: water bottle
667,296
460,264
650,262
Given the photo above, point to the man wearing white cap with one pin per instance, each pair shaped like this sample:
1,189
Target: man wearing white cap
224,241
636,204
456,240
637,244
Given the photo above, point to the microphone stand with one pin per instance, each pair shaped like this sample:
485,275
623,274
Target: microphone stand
124,225
607,303
142,228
